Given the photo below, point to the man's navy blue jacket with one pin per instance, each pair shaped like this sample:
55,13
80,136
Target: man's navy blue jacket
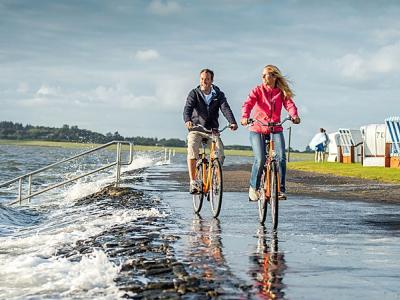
196,109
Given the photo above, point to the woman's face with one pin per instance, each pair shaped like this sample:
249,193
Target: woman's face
269,77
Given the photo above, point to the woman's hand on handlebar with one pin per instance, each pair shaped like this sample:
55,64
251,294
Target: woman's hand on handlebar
296,120
244,121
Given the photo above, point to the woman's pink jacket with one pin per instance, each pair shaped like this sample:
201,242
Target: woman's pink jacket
267,103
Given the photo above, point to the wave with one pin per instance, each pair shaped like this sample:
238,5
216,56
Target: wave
11,219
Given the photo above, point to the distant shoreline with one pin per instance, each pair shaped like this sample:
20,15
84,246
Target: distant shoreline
65,144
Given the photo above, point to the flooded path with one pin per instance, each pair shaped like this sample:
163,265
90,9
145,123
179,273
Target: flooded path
144,242
331,249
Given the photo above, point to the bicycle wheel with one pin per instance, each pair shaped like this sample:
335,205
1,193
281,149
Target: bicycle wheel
262,201
198,198
216,188
274,195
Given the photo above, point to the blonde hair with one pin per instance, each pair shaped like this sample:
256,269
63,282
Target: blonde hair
281,81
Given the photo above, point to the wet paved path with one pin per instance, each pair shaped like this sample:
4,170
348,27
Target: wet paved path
330,249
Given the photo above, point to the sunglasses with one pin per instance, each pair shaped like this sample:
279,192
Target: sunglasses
272,74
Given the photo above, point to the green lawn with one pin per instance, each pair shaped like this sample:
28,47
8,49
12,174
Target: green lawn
382,174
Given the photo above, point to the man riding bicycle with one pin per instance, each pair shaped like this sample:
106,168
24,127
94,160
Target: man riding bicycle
202,108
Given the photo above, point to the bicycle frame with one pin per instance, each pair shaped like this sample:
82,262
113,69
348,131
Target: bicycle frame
213,155
270,160
204,161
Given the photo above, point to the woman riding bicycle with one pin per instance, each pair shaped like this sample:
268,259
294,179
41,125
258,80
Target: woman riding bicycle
267,100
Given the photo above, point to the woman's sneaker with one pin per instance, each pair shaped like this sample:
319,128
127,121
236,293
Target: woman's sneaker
195,187
253,194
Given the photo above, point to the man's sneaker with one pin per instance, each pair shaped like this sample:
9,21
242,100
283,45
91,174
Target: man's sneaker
253,194
195,187
282,196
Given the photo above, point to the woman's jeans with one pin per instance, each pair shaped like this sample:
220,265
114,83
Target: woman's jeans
258,143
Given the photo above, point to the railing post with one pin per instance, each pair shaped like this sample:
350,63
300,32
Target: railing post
169,155
20,191
30,188
118,170
165,154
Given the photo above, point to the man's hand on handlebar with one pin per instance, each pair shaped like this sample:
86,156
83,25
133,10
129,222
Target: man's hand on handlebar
233,127
189,125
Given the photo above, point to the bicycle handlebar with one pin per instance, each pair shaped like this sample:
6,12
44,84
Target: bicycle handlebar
211,131
269,124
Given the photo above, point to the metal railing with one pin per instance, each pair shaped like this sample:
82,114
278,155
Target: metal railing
118,163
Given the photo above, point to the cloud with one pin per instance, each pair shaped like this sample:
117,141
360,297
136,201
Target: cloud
365,66
164,8
352,66
45,96
386,35
387,59
35,102
172,92
120,96
147,55
22,88
47,91
167,95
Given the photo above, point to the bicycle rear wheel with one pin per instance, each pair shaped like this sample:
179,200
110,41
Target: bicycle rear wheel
274,195
262,201
198,198
216,188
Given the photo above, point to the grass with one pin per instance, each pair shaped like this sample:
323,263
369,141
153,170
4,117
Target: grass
389,175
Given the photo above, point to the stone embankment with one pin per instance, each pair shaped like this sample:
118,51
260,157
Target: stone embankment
143,248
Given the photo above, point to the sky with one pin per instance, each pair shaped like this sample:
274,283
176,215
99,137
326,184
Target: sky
128,66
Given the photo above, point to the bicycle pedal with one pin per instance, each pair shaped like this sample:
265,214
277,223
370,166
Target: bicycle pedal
195,192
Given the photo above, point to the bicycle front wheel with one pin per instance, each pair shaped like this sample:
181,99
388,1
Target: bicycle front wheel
274,195
198,198
216,188
262,201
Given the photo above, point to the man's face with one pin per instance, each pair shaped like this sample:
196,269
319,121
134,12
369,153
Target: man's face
205,81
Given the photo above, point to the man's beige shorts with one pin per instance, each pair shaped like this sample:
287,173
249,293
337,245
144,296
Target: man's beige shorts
194,144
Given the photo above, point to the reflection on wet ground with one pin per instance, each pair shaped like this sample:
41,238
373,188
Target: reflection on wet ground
268,266
324,249
205,258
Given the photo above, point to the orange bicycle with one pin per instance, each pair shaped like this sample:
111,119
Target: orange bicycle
209,172
270,180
